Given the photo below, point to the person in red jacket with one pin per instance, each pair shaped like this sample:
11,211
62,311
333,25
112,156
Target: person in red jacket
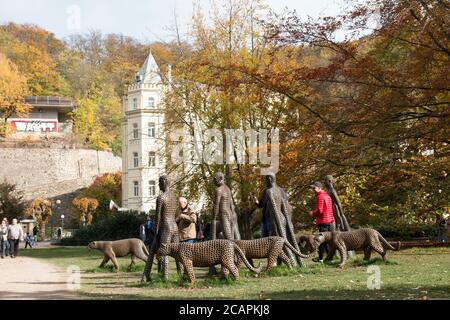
323,214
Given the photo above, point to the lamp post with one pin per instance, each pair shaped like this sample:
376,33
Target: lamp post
57,207
62,225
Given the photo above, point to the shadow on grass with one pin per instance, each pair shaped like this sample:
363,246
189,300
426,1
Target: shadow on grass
110,269
391,293
388,293
376,261
218,280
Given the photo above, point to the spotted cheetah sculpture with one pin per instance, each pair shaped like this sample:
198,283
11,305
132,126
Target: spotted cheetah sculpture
271,248
206,254
362,239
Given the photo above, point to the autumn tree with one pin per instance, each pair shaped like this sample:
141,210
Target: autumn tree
36,52
40,210
12,204
84,209
105,188
375,112
13,88
206,93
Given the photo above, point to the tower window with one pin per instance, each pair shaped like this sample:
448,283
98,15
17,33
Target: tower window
135,159
135,131
152,188
151,129
152,159
151,102
135,104
136,188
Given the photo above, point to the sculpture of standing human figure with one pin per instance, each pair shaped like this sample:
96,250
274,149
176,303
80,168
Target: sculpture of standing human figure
338,210
337,205
275,211
224,214
165,225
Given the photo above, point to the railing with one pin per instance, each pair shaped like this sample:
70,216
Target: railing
50,101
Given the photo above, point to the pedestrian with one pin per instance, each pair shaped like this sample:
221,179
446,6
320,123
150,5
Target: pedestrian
149,233
323,214
35,234
3,238
29,241
8,250
186,220
15,235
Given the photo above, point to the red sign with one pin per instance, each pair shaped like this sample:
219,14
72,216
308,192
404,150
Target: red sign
35,125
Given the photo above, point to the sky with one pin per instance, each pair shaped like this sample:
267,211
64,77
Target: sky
146,20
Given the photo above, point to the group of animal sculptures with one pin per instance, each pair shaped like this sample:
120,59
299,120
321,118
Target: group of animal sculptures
231,252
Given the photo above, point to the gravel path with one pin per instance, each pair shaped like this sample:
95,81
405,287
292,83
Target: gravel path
31,279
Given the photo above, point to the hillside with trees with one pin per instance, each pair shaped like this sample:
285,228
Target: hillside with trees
372,109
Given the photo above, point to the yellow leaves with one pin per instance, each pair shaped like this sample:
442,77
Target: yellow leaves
85,208
98,116
41,209
13,88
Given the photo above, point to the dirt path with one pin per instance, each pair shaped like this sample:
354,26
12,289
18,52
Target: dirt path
31,279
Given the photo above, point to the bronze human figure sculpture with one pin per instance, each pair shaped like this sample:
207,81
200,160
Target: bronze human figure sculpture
224,214
275,212
337,205
338,210
165,225
290,226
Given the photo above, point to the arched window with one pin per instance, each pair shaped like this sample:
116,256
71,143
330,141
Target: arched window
136,188
151,129
135,131
151,103
135,159
152,188
152,159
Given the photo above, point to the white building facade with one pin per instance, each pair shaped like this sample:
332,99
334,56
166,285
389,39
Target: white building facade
143,145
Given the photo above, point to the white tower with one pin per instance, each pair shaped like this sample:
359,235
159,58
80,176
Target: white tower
143,145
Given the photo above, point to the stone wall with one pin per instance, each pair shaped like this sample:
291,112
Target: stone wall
54,172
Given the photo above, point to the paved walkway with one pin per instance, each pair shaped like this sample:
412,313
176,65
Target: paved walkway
31,279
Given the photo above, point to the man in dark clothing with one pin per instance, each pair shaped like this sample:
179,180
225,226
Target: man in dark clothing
323,215
149,234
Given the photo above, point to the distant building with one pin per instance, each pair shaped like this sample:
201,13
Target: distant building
48,115
143,145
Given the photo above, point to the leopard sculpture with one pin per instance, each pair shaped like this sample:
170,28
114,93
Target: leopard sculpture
307,244
362,239
206,254
121,248
271,248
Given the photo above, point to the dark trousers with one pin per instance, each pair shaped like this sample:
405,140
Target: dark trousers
28,243
4,248
14,244
323,248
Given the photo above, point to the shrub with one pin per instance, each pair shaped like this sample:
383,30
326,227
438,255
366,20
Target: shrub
104,189
120,225
12,204
405,232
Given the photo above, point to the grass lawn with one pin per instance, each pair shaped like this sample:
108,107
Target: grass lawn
409,274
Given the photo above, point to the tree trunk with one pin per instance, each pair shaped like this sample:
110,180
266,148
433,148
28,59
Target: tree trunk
42,231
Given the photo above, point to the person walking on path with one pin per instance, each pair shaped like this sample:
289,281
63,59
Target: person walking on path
3,238
186,220
15,235
29,241
323,214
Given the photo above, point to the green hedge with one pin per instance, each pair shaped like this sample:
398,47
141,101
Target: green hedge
120,225
406,232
